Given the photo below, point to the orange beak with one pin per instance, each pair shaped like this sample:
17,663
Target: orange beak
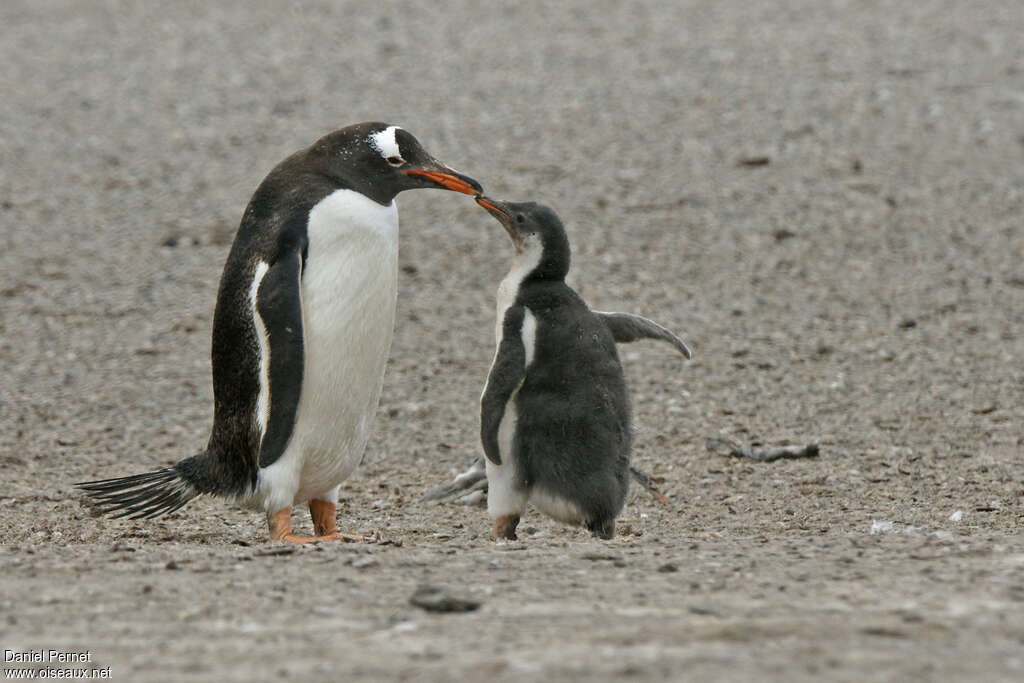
449,180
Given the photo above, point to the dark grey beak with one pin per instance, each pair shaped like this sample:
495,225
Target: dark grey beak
497,209
503,213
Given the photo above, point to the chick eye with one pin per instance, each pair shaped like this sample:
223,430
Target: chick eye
519,218
395,161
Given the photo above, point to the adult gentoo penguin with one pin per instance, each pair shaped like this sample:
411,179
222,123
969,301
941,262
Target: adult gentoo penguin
555,413
301,333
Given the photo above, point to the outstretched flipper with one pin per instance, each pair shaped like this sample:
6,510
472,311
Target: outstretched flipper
626,327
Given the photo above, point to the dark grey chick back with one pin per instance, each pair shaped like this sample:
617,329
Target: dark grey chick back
573,434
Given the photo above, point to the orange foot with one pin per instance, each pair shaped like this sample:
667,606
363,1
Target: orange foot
324,522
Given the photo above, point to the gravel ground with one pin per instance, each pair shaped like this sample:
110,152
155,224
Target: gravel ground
824,198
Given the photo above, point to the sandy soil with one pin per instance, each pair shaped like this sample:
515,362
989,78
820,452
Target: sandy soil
824,198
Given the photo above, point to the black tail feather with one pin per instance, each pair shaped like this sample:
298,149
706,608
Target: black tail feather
141,496
119,483
146,503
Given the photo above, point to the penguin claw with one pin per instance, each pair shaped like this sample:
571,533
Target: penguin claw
292,538
344,538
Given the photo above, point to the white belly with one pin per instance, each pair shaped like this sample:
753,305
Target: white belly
349,287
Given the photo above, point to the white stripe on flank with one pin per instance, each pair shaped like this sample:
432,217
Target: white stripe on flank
529,334
263,400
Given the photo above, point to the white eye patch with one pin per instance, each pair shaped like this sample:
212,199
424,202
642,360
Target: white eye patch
385,143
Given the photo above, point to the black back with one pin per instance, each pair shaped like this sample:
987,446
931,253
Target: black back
273,225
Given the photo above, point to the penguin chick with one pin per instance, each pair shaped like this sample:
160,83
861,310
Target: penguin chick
555,412
301,333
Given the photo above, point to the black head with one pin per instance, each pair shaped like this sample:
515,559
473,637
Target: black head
537,233
381,160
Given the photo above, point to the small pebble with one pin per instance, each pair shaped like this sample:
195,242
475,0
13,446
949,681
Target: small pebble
436,599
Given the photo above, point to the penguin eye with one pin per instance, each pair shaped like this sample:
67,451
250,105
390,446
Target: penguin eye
519,218
395,161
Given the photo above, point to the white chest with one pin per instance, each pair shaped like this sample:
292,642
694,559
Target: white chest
349,286
348,299
350,277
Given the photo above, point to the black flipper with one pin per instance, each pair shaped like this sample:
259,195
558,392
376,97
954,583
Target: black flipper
279,306
504,379
626,327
